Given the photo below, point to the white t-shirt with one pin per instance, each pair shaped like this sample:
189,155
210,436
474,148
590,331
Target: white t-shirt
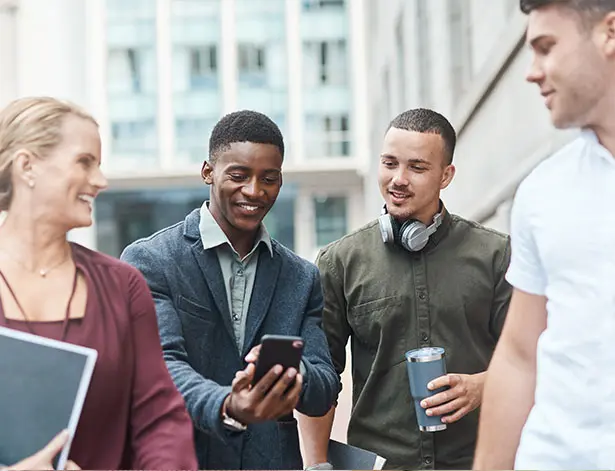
563,247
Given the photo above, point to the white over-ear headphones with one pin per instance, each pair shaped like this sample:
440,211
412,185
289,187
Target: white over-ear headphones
412,235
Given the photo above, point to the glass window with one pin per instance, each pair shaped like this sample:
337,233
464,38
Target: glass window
325,63
327,99
327,136
331,219
252,72
125,216
197,102
132,82
317,4
203,66
262,63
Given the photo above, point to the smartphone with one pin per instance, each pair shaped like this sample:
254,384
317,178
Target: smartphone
282,350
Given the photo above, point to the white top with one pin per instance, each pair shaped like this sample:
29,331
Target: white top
563,247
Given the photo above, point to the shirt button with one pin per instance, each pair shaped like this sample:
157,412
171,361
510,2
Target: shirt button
425,337
428,460
422,296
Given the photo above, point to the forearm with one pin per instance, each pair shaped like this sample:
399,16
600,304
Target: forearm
321,386
315,433
507,400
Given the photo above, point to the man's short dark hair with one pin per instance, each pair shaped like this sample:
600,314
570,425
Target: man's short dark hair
428,121
591,11
244,126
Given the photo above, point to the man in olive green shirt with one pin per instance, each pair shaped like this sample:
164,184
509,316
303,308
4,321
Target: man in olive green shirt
437,281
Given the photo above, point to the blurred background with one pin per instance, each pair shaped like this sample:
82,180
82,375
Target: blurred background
158,74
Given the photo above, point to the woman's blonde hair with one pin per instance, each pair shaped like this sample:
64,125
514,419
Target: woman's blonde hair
33,124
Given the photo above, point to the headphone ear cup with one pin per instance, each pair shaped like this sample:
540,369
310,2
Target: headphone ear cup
413,236
387,231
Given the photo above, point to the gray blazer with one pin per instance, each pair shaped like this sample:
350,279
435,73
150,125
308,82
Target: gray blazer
200,350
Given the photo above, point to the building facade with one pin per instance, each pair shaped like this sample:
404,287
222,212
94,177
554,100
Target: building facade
466,59
158,74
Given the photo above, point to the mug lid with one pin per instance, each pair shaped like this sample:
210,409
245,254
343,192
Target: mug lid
425,354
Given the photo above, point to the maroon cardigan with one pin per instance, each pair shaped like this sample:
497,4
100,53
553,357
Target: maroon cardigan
133,416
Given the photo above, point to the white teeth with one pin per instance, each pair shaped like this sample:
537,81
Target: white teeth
248,207
87,198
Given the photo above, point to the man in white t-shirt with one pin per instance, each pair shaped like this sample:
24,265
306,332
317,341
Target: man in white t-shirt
549,400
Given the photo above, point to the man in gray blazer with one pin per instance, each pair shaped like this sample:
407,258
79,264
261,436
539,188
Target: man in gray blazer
220,283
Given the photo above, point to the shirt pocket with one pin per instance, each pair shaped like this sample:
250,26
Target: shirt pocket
372,321
198,329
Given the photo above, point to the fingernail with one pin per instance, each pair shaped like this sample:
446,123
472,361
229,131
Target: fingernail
292,372
430,385
443,420
429,413
277,369
424,404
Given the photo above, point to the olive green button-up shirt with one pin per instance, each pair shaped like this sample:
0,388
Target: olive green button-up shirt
387,301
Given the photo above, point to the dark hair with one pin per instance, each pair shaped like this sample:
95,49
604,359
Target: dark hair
244,126
428,121
591,11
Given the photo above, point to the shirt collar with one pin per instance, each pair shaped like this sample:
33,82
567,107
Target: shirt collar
590,137
213,236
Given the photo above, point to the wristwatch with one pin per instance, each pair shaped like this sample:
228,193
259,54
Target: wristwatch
230,423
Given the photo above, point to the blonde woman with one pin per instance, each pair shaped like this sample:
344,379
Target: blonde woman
50,174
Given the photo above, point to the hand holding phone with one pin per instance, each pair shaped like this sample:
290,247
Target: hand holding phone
283,350
277,391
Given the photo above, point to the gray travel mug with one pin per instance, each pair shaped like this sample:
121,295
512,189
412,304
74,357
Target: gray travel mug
424,365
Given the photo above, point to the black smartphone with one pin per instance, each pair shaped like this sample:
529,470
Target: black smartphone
282,350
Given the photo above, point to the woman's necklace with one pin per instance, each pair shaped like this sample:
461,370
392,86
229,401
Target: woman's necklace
43,272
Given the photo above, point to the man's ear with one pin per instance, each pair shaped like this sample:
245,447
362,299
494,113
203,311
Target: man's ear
609,34
206,172
447,176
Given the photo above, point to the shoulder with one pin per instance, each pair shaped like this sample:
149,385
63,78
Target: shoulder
367,235
482,242
552,168
105,267
292,261
162,237
161,245
479,232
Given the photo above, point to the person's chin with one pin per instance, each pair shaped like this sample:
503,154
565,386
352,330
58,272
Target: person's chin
246,225
399,211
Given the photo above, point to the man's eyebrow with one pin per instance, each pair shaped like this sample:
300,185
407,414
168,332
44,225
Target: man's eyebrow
412,161
534,41
244,168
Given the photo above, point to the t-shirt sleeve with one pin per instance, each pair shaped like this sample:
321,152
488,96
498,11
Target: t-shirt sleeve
526,271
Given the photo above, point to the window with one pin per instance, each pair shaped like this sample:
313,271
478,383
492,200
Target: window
203,66
192,135
326,63
424,53
126,70
318,4
331,219
252,65
328,136
133,136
